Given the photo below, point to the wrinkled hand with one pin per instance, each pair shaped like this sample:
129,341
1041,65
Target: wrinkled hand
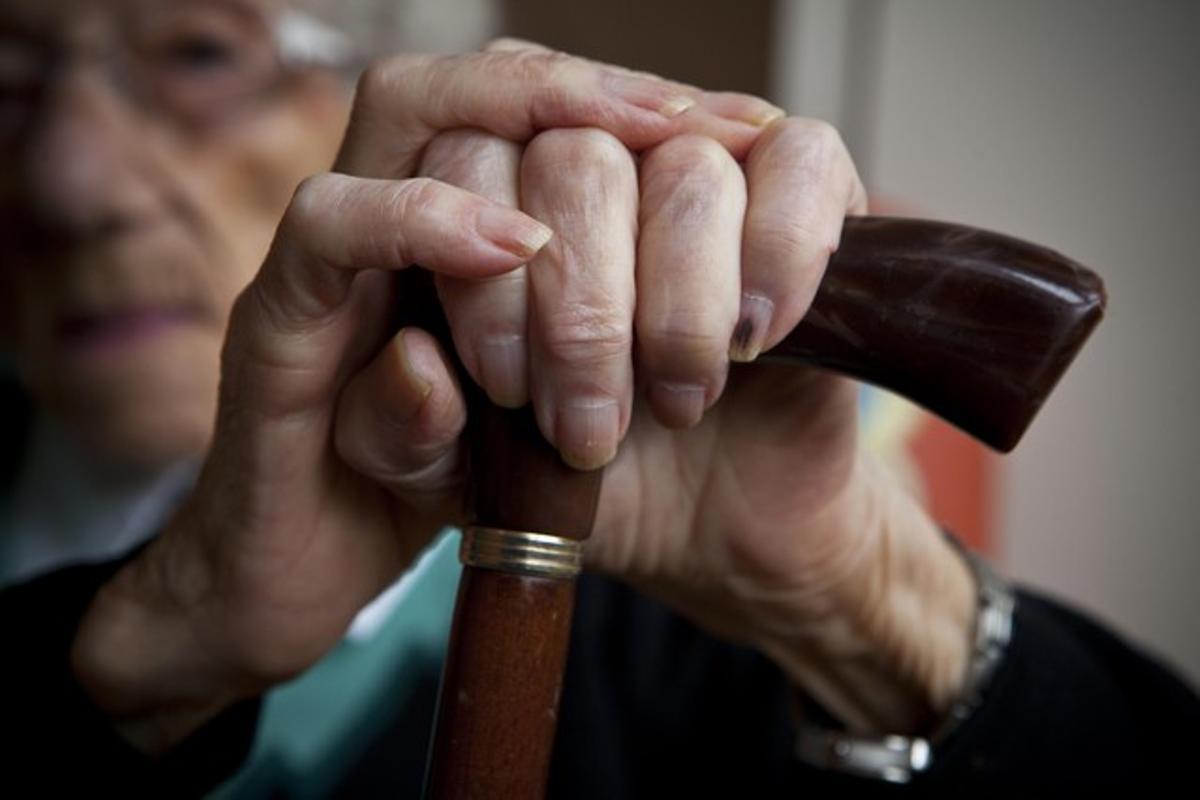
757,518
675,264
672,264
282,541
337,453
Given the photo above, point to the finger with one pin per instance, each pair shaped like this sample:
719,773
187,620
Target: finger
693,197
337,226
802,183
582,290
727,104
403,102
399,421
295,323
487,316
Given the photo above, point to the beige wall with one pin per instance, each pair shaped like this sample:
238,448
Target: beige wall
1074,123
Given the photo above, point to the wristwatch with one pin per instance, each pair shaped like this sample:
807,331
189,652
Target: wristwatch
896,758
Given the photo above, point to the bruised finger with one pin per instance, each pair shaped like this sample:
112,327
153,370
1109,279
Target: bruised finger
802,184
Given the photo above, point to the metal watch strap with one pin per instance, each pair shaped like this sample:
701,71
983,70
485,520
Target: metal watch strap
896,758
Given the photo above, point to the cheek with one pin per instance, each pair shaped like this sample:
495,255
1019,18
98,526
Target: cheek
247,177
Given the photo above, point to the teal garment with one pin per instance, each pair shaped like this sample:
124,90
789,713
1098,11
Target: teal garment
314,728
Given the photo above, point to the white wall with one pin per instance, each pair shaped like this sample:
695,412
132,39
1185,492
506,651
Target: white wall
1074,123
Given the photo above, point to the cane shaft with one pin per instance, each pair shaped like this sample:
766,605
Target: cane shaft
501,684
498,704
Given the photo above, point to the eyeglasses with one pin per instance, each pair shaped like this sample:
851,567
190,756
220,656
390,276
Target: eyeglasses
193,63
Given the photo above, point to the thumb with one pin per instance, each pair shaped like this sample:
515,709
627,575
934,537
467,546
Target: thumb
399,423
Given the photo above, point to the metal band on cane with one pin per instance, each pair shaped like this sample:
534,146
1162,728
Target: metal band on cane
521,552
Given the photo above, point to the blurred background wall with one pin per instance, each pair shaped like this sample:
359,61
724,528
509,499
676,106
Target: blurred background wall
1074,123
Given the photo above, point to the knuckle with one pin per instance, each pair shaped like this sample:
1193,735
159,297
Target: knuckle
585,336
778,237
461,143
818,133
583,153
396,457
818,144
550,81
377,83
793,251
557,104
687,338
414,196
373,81
687,154
470,158
551,65
449,146
818,130
539,67
312,198
687,180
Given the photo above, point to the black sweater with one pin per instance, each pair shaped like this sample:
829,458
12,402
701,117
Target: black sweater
652,707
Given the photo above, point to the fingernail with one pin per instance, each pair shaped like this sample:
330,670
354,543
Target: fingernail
502,369
764,116
674,106
517,233
754,320
586,431
682,403
414,376
648,93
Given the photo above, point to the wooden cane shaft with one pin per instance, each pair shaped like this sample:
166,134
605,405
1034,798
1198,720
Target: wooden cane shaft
501,684
498,704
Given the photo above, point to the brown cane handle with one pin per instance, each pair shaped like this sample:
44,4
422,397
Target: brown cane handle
976,326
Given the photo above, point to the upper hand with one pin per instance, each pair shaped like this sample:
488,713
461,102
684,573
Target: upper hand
674,264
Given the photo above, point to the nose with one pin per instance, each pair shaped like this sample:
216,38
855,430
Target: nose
84,166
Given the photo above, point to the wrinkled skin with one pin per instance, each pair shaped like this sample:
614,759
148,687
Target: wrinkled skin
663,227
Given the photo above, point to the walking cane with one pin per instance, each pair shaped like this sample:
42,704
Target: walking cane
975,326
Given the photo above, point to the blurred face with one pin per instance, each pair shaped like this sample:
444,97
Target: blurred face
147,151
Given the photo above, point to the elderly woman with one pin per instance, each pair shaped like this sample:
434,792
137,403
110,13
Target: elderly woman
185,284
